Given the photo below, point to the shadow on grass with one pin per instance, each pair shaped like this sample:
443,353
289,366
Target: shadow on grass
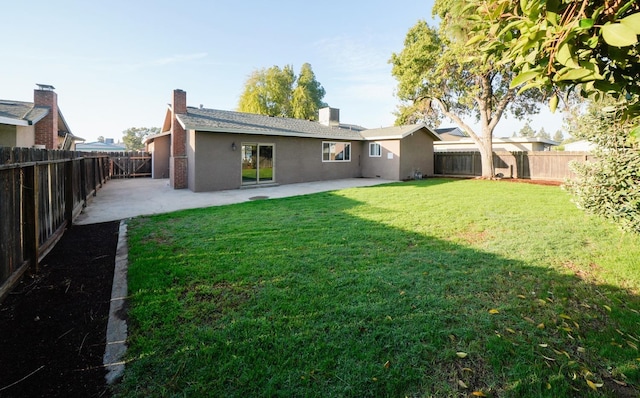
320,295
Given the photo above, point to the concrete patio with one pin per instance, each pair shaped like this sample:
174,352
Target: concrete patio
125,198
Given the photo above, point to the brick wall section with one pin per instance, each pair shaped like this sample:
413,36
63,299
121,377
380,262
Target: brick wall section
46,130
178,162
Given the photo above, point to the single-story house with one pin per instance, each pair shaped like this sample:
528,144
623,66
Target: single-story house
210,150
512,144
37,124
579,146
450,133
97,146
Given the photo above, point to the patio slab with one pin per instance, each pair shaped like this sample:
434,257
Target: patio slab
125,198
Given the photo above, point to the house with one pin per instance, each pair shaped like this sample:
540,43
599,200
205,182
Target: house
210,150
579,146
35,124
512,144
107,146
450,133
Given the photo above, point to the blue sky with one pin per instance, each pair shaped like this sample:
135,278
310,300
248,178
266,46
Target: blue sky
115,63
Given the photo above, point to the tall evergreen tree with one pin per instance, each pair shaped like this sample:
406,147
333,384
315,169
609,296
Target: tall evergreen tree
307,96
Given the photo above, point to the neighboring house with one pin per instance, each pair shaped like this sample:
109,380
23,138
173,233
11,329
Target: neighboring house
107,146
514,144
209,150
579,146
35,124
450,133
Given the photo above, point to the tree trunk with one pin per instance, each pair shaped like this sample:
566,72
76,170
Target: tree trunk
486,156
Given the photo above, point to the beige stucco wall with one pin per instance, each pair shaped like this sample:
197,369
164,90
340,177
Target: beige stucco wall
7,135
386,166
160,153
17,136
217,167
417,155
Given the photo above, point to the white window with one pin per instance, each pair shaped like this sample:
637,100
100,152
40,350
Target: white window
336,151
375,151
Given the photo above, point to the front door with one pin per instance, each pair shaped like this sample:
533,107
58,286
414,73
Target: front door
257,164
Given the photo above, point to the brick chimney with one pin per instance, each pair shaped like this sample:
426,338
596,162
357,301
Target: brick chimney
46,130
178,160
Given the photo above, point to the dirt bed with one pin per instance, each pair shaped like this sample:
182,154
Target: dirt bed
53,325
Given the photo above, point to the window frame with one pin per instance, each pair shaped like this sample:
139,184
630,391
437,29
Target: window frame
332,145
378,153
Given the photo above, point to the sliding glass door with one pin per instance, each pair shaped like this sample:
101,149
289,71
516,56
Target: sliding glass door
257,163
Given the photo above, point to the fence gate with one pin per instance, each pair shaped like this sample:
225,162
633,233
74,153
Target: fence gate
130,164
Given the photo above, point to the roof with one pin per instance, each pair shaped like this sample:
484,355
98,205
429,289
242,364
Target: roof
214,120
98,146
21,113
396,132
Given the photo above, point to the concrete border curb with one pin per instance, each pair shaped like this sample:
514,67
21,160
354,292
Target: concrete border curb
117,326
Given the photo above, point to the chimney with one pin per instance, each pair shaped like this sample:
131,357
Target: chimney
329,116
178,160
46,129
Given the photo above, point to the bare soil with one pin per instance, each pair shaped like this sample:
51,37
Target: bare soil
53,325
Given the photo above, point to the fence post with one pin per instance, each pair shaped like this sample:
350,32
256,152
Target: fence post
31,228
68,192
83,181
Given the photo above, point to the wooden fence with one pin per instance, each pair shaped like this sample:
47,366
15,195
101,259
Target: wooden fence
41,191
535,165
129,164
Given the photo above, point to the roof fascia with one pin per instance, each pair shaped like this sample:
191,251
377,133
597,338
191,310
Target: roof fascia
14,122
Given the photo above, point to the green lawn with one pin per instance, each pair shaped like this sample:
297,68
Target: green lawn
430,288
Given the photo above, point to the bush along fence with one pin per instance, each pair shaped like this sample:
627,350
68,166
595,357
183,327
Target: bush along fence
41,191
553,165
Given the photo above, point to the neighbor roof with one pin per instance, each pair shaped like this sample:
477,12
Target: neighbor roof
21,113
215,120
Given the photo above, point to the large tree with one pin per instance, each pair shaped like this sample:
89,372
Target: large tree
279,92
133,137
437,72
586,46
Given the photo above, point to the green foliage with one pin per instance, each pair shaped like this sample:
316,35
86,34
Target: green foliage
439,75
608,185
558,136
133,137
543,134
591,45
100,138
527,131
363,293
271,91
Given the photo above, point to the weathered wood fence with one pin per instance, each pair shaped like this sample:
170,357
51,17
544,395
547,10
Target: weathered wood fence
535,165
129,164
41,191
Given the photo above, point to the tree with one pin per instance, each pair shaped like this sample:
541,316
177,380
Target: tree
307,96
590,47
558,136
527,131
271,91
609,184
133,137
437,72
543,134
100,138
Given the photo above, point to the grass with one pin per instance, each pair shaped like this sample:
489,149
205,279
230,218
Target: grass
430,288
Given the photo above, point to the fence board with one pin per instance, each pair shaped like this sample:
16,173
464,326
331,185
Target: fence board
550,165
40,192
